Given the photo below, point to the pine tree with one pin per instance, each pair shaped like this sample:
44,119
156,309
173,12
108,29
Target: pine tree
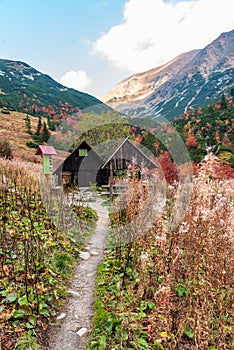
50,123
232,93
223,102
39,125
28,125
45,133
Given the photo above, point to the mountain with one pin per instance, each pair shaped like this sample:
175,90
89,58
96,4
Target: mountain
25,89
191,80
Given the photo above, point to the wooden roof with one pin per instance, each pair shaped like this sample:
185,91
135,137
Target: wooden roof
45,150
82,145
122,154
142,157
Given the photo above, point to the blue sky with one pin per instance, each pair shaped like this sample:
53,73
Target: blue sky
94,44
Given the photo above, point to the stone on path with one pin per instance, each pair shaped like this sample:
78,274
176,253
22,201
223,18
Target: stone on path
62,316
93,252
84,255
82,331
73,293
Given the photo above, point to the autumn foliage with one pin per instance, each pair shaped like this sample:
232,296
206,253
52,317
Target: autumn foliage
168,167
191,141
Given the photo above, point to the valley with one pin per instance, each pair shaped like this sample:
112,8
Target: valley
164,287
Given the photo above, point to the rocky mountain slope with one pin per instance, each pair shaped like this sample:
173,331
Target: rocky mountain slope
189,81
25,89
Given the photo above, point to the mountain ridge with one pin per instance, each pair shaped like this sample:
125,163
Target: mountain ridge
190,80
18,79
171,65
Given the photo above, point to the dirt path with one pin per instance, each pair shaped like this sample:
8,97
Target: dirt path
79,310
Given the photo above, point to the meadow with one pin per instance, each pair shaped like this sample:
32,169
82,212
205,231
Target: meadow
172,288
169,289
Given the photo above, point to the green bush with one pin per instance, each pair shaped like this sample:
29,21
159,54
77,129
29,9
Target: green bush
32,144
231,160
63,262
5,111
27,342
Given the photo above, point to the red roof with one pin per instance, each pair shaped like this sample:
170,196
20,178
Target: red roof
49,150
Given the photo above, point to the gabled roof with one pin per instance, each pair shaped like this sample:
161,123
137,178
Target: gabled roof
130,150
46,150
82,144
153,165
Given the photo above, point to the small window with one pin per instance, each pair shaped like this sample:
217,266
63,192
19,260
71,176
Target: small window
83,152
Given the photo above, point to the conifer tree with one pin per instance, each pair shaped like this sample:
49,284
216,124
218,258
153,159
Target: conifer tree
45,133
39,125
50,123
232,93
223,102
28,125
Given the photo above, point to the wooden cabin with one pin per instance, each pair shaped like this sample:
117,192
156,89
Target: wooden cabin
125,155
84,166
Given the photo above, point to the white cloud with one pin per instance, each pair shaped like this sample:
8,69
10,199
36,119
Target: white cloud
153,31
78,80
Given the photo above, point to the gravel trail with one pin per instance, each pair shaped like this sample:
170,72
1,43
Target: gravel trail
77,322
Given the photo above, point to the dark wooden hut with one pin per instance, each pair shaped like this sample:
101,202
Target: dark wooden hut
84,166
126,154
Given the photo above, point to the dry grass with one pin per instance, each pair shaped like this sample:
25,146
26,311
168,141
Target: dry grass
174,287
12,128
21,173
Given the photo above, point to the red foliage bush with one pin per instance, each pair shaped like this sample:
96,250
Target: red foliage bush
168,167
191,141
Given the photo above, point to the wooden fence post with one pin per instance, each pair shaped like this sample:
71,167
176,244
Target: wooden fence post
111,181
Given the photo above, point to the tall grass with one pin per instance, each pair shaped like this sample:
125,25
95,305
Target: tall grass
173,289
36,259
